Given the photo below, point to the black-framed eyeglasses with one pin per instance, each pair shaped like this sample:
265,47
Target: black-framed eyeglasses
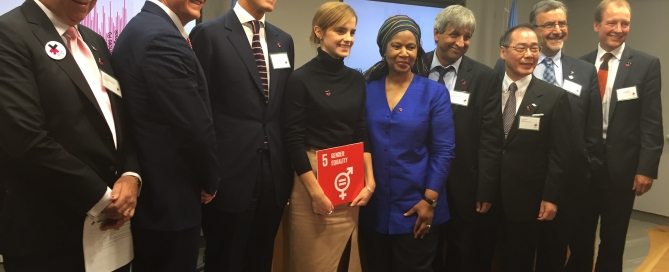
522,48
550,25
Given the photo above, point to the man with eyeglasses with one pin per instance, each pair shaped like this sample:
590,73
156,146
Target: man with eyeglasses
629,82
536,123
579,80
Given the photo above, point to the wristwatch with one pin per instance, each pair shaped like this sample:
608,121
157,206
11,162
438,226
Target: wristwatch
432,202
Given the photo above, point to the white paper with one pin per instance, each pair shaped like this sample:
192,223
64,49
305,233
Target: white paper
628,93
459,98
572,87
111,83
106,250
529,123
280,60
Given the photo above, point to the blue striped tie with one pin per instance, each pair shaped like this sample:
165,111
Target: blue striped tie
549,72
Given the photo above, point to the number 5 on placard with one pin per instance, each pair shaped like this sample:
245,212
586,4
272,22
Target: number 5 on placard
324,158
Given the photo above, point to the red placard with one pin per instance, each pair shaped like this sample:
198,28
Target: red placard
341,172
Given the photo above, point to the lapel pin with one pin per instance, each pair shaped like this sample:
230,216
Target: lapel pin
101,62
628,64
55,50
279,45
328,93
571,74
463,84
400,109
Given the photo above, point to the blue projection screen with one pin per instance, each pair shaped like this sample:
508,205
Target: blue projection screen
371,15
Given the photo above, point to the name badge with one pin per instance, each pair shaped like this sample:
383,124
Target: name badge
529,123
280,60
628,93
111,84
572,87
459,98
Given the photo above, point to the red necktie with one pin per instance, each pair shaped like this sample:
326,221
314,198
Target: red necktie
260,58
603,74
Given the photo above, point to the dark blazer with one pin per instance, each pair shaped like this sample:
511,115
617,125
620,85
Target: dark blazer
634,138
534,162
586,113
586,116
57,152
170,117
245,124
478,136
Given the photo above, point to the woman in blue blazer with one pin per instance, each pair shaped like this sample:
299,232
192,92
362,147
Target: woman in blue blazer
410,127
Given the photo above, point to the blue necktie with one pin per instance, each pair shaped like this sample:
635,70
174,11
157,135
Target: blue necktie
549,72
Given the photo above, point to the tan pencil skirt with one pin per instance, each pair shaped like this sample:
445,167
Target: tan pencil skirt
314,242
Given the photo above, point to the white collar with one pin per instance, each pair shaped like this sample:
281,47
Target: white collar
557,58
435,63
618,52
173,16
521,83
244,16
57,23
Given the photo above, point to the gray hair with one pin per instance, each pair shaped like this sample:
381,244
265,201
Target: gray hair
456,16
545,6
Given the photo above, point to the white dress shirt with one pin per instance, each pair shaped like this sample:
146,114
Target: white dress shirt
520,92
610,79
450,77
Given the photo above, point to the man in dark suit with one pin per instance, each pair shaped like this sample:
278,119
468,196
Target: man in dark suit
247,62
469,240
537,122
170,117
63,143
632,123
579,80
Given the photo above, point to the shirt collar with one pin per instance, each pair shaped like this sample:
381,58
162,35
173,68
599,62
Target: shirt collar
173,16
617,53
521,83
244,16
556,59
57,23
435,63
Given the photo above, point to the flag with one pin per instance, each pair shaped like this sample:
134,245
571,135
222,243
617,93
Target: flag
513,15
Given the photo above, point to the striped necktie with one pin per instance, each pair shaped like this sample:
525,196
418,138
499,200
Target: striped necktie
509,113
260,58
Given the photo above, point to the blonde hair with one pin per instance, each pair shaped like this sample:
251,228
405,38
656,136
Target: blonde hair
330,14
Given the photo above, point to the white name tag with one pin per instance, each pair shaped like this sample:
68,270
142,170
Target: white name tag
529,123
459,98
628,93
111,84
572,87
280,60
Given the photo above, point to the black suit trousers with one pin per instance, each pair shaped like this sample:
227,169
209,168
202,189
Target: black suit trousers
244,241
165,251
613,208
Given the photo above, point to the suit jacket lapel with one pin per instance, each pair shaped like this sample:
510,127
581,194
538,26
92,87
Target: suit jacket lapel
45,32
621,76
528,106
241,44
